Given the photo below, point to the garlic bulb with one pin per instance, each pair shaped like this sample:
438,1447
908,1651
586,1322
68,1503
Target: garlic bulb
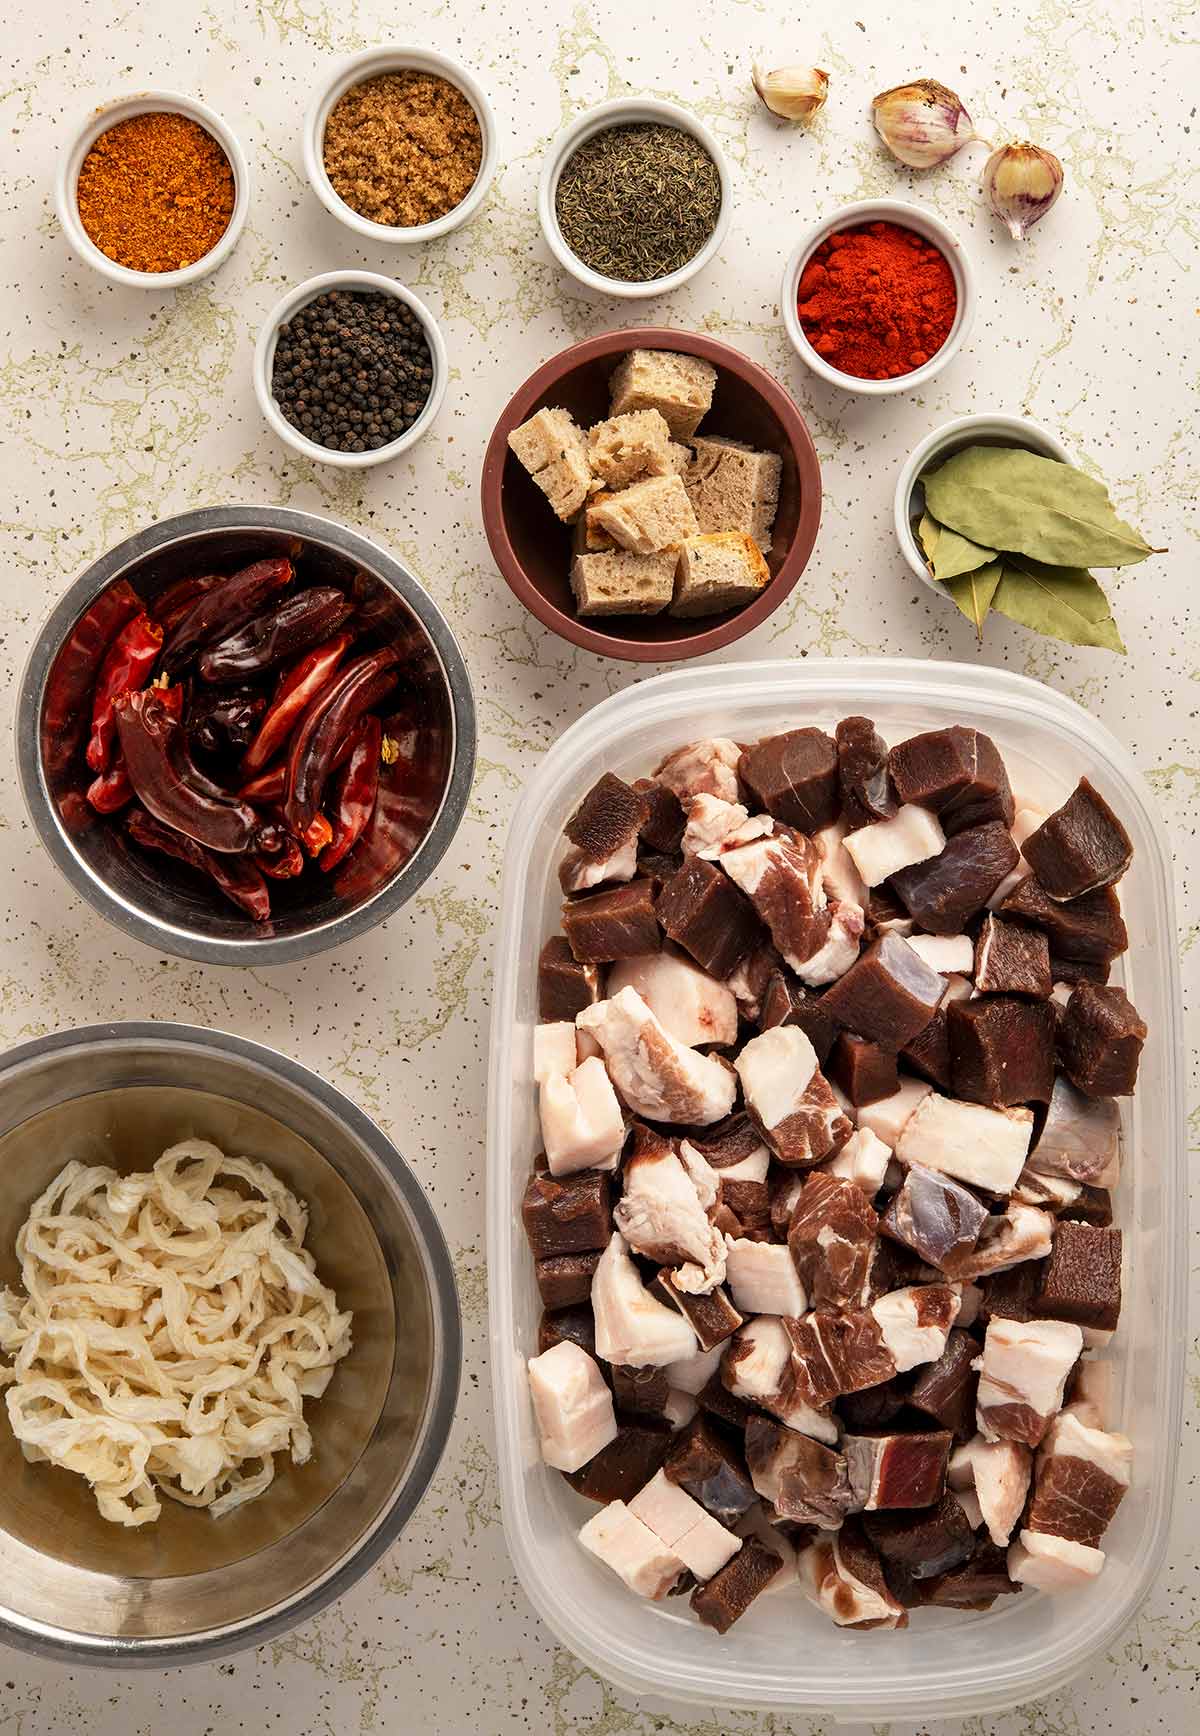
922,123
795,93
1021,183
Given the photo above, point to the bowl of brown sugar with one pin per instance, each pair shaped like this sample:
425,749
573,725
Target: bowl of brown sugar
400,144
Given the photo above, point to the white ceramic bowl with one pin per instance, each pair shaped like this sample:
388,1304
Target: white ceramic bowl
372,63
908,217
124,108
623,112
909,502
264,361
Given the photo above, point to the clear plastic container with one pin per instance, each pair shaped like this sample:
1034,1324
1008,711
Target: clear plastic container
784,1654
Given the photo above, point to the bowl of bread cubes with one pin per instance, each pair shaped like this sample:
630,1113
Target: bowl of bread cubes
651,494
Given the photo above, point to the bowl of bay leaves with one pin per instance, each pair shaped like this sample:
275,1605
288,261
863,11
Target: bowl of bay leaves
990,511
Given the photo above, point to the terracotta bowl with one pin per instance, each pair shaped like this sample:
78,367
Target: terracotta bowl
533,550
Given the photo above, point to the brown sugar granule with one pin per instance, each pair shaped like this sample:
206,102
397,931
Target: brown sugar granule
155,192
403,149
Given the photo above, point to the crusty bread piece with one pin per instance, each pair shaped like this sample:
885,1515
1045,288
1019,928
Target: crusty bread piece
678,386
718,570
626,447
618,583
587,538
733,487
553,450
649,516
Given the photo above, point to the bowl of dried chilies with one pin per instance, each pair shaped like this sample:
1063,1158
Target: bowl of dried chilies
245,735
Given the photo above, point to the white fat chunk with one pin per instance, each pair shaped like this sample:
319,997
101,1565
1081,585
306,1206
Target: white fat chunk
618,1538
958,988
633,1328
863,1160
703,768
1025,1362
968,1141
760,1375
579,873
826,1581
572,1406
704,1178
1070,1437
998,1472
912,835
701,1542
657,1076
1053,1193
714,826
679,1409
751,1168
690,1005
910,1343
968,1500
692,1373
762,1277
888,1118
554,1050
839,951
660,1214
945,952
839,875
776,1069
1052,1563
582,1124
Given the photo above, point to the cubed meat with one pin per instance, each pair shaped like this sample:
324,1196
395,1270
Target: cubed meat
862,1070
842,1575
831,1236
762,1278
700,1542
568,1325
582,1123
572,1406
663,818
578,872
788,1098
945,1389
1081,847
803,1480
1052,1563
729,1593
757,1368
837,1353
709,1464
618,1538
781,876
1079,1482
565,1280
657,1076
714,826
565,986
691,1006
914,1322
982,1146
943,894
1011,959
974,1586
704,912
711,1314
888,995
794,778
1082,1277
731,1145
1025,1368
748,984
896,1470
632,1326
623,1467
908,837
998,1473
863,780
934,1215
703,768
787,1002
958,773
1001,1049
863,1160
1080,1139
1100,1040
888,1118
1088,930
616,923
927,1541
661,1217
567,1215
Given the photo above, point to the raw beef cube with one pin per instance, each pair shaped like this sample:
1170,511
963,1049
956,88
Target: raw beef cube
1081,847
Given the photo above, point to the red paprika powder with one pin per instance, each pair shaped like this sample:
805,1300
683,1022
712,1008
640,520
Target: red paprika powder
877,301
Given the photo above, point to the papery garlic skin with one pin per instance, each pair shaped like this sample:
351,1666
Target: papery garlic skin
922,123
794,93
1021,183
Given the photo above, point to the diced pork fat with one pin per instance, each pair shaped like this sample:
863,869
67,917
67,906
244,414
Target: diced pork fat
572,1406
863,1160
690,1005
839,876
945,953
1081,1137
582,1124
762,1278
1018,1234
1081,1476
691,1374
749,983
632,1326
781,876
831,1238
618,1538
757,1367
753,1167
788,1098
657,1076
661,1216
915,1322
888,1118
1051,1193
968,1500
1023,1371
840,1573
1052,1563
986,1147
882,849
998,1472
577,872
703,1545
714,826
554,1050
839,949
679,1410
703,768
804,1481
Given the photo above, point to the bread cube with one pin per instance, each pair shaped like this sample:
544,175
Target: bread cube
553,450
678,386
733,487
619,583
587,536
680,456
626,447
718,570
649,516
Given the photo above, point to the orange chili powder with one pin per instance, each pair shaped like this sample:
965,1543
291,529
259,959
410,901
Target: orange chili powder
877,301
155,192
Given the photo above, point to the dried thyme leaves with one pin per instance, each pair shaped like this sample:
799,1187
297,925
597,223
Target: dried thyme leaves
637,202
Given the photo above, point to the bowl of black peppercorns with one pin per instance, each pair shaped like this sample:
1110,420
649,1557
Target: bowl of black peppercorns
350,369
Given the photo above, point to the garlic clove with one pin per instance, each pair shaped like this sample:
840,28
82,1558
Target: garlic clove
922,123
1021,183
794,93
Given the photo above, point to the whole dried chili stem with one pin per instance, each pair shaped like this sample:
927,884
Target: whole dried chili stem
355,789
297,623
171,787
310,756
126,667
224,608
236,876
298,687
73,672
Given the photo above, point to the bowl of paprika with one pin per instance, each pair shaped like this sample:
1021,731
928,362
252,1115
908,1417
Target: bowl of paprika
153,190
878,297
201,683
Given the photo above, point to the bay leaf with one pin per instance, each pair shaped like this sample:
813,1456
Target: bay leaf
958,554
973,593
928,532
1007,498
1062,602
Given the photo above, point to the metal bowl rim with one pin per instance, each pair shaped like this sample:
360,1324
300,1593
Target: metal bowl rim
187,527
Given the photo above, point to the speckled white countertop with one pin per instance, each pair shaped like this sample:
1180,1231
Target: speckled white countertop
121,407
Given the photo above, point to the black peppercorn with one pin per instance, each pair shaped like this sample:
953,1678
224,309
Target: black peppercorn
352,370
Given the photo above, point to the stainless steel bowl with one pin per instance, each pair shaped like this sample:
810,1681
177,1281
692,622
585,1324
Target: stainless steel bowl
75,1587
152,899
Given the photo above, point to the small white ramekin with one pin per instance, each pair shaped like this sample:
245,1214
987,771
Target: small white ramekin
372,63
264,361
66,182
909,501
623,112
907,217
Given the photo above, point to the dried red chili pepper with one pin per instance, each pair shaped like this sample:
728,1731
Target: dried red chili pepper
172,787
112,790
126,667
236,876
282,632
225,608
298,687
172,604
361,685
224,719
354,792
267,787
73,672
286,862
